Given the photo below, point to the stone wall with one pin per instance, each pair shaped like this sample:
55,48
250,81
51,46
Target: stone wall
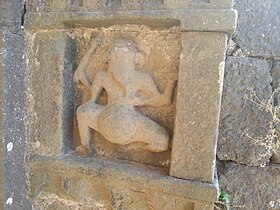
248,169
13,110
46,165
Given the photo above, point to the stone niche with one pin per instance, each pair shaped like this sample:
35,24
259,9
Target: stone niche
158,53
156,68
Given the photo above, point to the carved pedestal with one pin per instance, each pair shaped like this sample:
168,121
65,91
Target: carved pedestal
124,102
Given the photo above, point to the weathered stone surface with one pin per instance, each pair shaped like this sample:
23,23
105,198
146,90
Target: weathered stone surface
258,27
115,5
50,93
218,20
275,72
83,184
158,53
11,15
14,120
251,187
12,104
96,180
198,106
118,120
177,4
1,125
240,116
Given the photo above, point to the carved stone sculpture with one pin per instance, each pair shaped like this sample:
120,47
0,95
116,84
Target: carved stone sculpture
118,121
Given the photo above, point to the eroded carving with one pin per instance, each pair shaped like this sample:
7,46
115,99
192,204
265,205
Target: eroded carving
127,87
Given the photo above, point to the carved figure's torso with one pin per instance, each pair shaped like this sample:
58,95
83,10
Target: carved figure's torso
126,87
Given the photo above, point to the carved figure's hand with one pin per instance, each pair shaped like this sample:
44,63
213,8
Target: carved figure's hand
80,73
95,42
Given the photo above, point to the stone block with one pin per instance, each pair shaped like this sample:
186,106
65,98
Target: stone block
1,124
251,187
258,27
116,184
240,116
177,4
198,106
50,72
11,15
14,112
275,72
192,20
115,5
192,15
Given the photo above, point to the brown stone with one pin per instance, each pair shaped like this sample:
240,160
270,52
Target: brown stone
223,20
43,48
115,5
158,58
116,184
45,104
198,106
118,121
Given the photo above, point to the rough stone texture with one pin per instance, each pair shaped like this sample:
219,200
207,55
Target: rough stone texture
114,5
159,52
198,106
252,188
258,27
1,125
13,111
191,15
50,92
119,120
113,185
257,35
240,116
14,120
275,73
191,20
60,184
11,15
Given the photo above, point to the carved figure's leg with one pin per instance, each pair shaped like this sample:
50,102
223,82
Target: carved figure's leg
153,134
87,117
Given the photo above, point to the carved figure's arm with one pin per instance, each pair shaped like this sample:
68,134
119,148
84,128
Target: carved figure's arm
80,73
97,86
155,98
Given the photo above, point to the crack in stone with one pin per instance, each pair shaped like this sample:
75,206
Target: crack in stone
23,15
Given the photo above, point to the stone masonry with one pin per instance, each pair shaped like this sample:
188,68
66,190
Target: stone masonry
248,170
40,168
111,104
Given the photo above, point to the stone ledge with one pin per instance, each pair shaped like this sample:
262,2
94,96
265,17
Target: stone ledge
222,20
103,5
127,174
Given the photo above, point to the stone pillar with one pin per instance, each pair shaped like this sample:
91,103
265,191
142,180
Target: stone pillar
1,131
13,107
198,106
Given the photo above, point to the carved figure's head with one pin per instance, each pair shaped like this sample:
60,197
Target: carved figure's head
122,58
